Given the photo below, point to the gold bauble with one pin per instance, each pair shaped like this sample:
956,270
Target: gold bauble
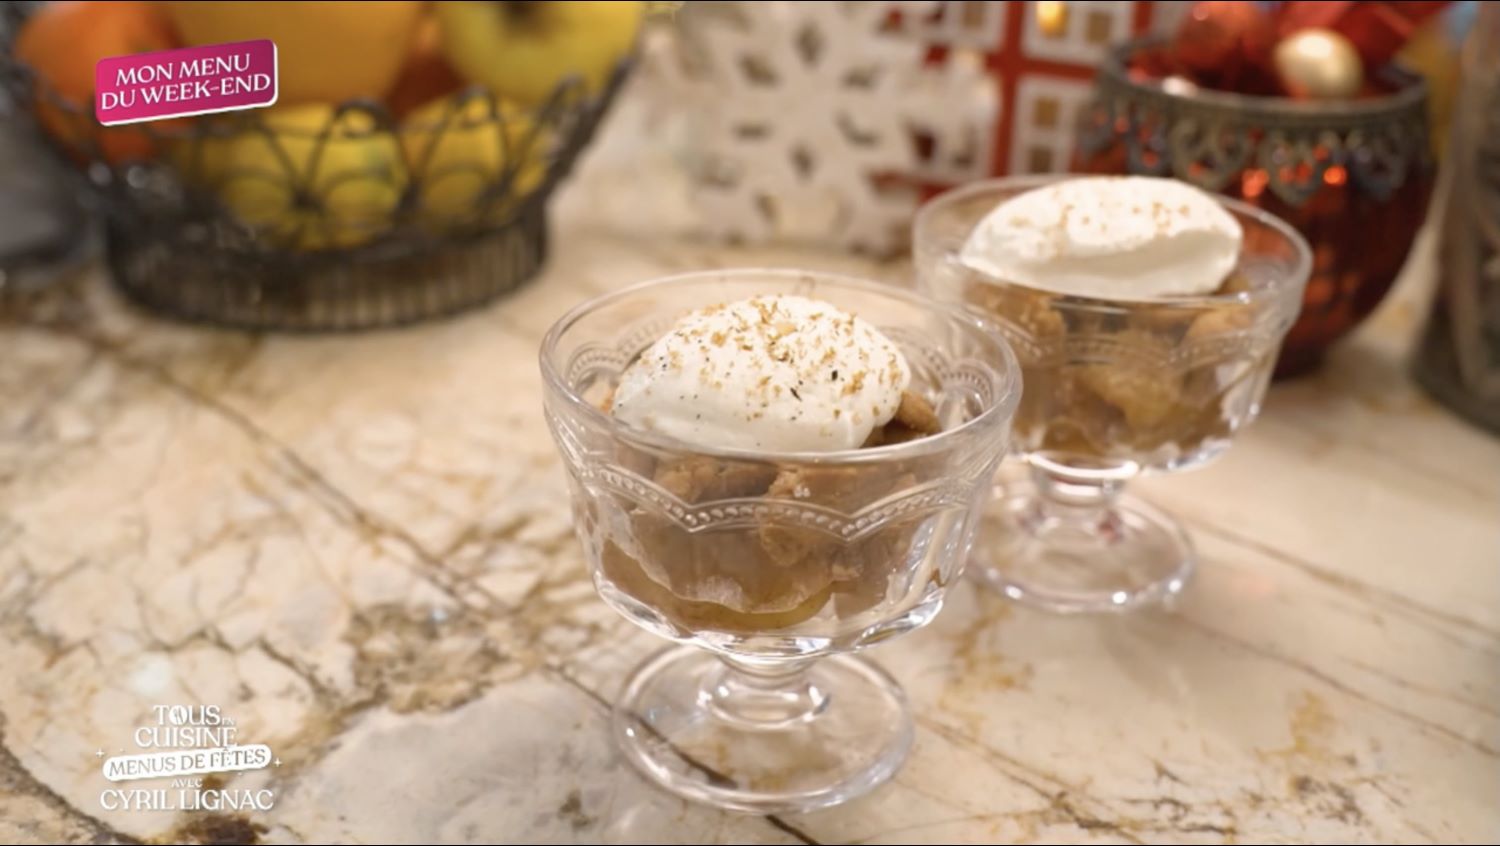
1319,64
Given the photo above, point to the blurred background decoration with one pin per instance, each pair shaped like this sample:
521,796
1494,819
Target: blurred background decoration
1295,107
1040,58
1459,357
805,119
403,174
830,122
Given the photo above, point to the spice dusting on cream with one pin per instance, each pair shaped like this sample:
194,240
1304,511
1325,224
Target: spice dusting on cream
779,373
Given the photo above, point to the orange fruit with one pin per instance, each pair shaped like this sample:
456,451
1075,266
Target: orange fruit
62,42
327,52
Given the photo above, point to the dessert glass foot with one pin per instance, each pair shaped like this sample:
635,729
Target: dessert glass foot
777,737
1074,543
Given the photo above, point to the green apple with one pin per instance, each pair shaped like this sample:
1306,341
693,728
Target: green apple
523,50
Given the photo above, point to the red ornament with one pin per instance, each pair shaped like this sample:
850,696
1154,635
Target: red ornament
1378,29
1224,44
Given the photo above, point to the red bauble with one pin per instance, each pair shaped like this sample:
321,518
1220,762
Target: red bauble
1225,44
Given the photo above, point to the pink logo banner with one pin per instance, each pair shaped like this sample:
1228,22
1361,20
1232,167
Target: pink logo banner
190,81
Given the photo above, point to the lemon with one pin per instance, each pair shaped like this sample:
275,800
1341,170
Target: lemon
473,161
309,177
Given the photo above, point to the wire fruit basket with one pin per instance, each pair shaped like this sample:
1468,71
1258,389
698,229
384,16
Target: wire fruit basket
321,218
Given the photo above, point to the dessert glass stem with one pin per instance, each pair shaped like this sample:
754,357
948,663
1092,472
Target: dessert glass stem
1071,540
762,694
1081,496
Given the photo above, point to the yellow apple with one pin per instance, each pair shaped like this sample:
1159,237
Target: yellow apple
524,50
459,151
308,178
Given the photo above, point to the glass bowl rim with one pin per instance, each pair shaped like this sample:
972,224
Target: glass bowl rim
1296,278
1409,92
1000,411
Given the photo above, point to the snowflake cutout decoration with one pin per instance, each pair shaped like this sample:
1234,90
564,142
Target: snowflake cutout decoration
807,115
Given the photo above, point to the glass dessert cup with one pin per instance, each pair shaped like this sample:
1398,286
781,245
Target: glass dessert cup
770,568
1114,389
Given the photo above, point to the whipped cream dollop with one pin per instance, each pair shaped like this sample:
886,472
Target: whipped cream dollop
1114,237
778,373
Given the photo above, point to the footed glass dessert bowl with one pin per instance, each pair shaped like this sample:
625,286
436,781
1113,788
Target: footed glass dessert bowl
1116,386
770,566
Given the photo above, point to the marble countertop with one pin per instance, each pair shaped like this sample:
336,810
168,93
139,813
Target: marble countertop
359,549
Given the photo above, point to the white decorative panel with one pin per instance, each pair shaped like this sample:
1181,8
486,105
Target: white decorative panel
808,115
958,144
1046,117
1087,30
972,24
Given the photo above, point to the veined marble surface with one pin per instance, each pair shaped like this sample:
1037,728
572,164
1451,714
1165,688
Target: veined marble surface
359,549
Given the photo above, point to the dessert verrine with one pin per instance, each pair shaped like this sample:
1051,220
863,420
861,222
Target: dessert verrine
1147,316
783,374
775,467
1130,312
